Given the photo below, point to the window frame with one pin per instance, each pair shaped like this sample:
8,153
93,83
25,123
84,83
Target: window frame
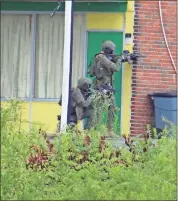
34,15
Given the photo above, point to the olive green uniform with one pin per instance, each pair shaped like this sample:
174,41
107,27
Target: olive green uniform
81,106
105,68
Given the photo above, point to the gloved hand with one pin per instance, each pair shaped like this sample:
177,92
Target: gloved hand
89,100
130,61
116,59
127,59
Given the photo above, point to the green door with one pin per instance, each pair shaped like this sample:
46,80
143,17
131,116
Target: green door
95,40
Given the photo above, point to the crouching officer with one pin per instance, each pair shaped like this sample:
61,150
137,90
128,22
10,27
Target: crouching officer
81,104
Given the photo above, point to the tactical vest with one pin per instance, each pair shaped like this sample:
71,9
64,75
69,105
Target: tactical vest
98,71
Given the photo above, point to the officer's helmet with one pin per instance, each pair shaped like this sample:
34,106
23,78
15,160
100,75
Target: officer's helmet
84,83
108,47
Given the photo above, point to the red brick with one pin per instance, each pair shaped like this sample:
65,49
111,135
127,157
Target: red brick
156,72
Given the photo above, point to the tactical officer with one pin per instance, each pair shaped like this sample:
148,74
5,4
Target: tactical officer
103,68
81,103
106,65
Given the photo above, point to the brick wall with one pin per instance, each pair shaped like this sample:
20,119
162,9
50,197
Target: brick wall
156,73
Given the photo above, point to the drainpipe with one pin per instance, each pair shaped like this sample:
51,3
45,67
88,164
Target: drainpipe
67,64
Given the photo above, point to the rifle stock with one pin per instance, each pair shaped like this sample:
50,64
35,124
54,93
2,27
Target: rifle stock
107,89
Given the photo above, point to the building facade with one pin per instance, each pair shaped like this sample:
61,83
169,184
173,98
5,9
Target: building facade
32,54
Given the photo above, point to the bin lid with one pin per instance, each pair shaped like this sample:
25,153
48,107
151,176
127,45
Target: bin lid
164,94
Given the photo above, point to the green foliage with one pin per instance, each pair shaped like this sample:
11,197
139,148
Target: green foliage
101,104
84,165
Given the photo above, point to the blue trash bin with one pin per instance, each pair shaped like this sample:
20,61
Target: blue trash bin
165,105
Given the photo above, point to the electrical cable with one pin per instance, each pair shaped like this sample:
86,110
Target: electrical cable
161,18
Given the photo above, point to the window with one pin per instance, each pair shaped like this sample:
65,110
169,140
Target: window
16,62
49,57
15,55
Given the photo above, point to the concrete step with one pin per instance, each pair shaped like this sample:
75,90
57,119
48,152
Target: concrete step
117,142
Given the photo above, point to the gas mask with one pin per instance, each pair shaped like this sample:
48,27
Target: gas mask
86,86
86,91
107,50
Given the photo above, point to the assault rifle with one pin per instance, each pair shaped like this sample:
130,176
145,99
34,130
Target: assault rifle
106,89
86,93
126,56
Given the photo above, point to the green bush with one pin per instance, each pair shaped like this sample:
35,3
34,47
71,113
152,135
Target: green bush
82,166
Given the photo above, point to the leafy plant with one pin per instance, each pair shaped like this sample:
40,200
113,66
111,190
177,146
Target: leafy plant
101,103
83,165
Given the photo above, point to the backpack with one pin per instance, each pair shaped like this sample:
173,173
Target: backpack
92,68
72,103
93,71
